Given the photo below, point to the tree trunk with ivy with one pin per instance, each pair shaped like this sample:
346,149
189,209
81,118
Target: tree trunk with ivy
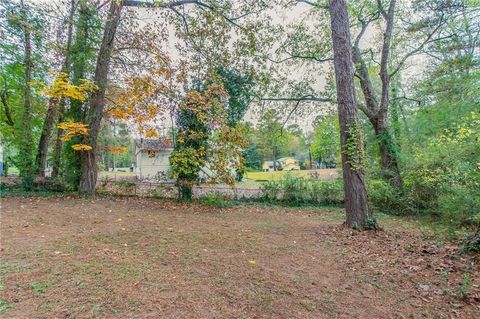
358,214
388,152
41,159
376,107
57,150
81,55
88,178
25,152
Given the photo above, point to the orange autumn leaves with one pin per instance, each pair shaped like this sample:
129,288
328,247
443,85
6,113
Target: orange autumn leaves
147,98
116,149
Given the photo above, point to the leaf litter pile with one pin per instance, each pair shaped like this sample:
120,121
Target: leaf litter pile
67,257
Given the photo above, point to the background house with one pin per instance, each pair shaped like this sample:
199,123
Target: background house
289,164
268,166
282,164
152,158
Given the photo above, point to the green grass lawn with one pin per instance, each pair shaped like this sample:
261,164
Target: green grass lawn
326,174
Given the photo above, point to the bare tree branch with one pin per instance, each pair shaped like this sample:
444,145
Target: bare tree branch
290,114
408,99
173,4
361,69
298,56
299,99
387,38
312,3
417,50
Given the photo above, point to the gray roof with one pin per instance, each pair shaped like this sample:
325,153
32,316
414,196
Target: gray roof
151,144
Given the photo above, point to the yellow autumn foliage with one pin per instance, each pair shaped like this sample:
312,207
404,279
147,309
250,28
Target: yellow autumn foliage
62,87
72,129
81,147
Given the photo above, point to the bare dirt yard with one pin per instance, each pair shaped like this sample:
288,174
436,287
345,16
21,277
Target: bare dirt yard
69,257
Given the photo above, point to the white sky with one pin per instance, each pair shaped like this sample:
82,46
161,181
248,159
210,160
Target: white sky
282,16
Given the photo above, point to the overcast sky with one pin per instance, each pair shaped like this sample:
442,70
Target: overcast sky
307,113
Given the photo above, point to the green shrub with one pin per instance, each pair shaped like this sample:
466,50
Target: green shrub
471,242
271,190
328,192
294,190
298,190
382,196
217,199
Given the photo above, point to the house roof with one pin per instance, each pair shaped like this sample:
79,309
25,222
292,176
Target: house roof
269,163
151,144
284,159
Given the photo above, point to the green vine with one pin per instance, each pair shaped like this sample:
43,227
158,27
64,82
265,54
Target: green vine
354,147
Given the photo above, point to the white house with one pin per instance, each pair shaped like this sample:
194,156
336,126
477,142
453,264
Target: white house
152,158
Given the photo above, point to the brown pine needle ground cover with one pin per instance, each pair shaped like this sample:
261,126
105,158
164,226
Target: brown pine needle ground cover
133,258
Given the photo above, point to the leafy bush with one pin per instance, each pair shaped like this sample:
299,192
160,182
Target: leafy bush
443,178
328,192
295,190
51,184
471,242
217,199
298,190
382,196
271,190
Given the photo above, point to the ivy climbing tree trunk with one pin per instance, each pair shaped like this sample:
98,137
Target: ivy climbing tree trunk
356,204
388,151
42,151
82,54
376,108
57,150
25,152
88,178
41,158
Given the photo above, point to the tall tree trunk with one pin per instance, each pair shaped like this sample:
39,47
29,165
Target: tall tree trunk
42,151
356,204
395,114
375,109
88,178
52,105
310,156
57,151
388,153
274,153
25,152
81,53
